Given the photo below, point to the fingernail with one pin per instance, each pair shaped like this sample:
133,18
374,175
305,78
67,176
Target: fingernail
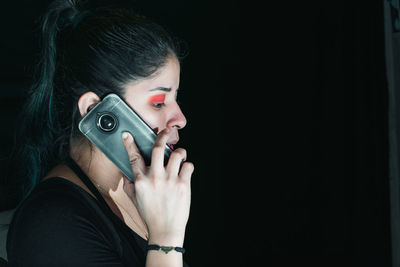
125,135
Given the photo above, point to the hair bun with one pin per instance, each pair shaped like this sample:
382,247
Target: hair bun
70,13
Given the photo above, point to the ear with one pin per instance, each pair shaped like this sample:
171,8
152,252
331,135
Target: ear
87,101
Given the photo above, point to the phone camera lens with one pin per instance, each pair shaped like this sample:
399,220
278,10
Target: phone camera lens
107,122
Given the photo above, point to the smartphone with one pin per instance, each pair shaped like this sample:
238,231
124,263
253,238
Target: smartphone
104,124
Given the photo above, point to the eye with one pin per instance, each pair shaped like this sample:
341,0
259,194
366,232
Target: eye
158,105
157,101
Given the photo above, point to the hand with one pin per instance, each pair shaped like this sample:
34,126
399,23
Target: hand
160,193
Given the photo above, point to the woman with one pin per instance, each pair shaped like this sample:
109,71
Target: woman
79,209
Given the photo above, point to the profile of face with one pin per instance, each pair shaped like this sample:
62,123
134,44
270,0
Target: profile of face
154,99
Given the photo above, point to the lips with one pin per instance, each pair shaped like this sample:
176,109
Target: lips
171,143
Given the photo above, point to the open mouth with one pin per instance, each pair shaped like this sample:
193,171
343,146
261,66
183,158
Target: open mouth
171,146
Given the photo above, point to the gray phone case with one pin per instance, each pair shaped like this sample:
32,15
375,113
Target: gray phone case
110,142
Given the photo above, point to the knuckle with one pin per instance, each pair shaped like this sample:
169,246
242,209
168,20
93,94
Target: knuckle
189,166
138,177
134,158
179,153
139,184
157,183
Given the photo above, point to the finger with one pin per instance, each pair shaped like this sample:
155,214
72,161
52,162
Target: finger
186,171
175,160
157,156
135,159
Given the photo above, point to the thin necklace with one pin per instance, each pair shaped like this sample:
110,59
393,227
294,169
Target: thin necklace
144,232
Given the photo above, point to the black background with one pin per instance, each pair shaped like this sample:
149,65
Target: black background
287,126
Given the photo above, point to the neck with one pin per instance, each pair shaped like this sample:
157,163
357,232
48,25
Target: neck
109,181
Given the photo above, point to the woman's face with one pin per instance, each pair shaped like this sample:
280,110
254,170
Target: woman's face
154,99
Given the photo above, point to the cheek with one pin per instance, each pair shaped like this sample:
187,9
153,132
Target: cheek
143,109
154,119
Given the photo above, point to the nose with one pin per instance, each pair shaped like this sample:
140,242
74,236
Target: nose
177,119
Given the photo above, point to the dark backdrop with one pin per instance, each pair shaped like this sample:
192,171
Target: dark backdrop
287,126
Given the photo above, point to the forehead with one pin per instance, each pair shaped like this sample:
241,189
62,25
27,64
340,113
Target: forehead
167,76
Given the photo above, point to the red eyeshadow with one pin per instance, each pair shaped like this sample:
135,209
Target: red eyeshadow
157,98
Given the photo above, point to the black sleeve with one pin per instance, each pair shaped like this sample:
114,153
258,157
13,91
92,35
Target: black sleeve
58,230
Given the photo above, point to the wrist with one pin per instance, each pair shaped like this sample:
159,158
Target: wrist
174,240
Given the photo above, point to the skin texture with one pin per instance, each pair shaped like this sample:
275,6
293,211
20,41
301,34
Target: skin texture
157,205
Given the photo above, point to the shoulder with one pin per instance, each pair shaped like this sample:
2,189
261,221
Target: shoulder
59,222
57,197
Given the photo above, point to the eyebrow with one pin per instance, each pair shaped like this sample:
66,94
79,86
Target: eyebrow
164,89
